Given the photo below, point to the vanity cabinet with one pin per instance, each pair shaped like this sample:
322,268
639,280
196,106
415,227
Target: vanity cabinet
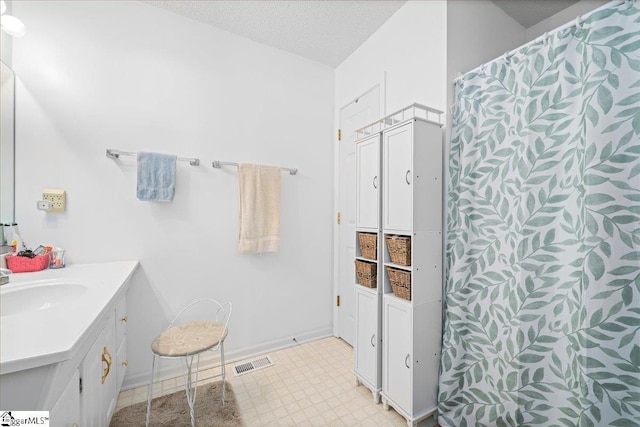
75,362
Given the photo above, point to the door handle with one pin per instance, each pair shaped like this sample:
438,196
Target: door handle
106,358
372,338
375,182
406,176
406,362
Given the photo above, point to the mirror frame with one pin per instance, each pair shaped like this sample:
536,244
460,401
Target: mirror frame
7,144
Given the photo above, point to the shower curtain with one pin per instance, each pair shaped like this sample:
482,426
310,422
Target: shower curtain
542,304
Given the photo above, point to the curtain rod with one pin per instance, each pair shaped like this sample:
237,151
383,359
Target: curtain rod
218,164
575,23
114,154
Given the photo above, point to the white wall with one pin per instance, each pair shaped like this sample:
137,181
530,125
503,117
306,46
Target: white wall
125,75
562,17
411,48
477,32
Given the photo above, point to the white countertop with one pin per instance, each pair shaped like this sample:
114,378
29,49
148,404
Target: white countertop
52,335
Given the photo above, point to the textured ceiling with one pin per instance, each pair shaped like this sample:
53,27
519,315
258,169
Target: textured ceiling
324,31
530,12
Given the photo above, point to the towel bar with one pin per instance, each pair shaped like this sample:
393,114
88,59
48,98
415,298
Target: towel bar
114,154
218,164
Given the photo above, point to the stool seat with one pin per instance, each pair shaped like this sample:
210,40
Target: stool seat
189,338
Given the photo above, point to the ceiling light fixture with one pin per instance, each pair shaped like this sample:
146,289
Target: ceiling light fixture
10,24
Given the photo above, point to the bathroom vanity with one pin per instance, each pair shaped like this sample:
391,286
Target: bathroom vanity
63,341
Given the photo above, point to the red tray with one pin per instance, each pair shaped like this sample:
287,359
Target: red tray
23,264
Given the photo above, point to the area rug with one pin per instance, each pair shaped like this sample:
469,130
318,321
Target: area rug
172,410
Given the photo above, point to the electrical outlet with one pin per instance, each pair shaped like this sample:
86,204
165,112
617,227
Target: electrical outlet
57,198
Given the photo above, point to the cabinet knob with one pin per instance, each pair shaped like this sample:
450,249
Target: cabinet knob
74,425
373,337
125,363
406,176
125,319
406,362
375,181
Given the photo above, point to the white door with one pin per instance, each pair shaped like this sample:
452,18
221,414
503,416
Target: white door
367,183
397,357
398,178
366,339
355,115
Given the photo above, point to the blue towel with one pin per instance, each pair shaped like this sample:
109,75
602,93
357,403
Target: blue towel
156,176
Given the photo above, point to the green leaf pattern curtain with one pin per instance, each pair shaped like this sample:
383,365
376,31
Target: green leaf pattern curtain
542,293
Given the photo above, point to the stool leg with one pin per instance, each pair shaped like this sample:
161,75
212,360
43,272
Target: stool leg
195,387
190,401
150,390
223,370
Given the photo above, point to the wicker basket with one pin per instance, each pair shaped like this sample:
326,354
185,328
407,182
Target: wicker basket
368,245
22,264
400,282
367,273
399,249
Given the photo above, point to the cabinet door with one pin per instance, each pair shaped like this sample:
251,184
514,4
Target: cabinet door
365,357
99,393
91,384
367,183
109,386
398,178
66,411
397,384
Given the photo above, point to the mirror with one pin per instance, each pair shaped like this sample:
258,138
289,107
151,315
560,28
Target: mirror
7,145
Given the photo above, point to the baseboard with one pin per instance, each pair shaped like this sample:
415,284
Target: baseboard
212,360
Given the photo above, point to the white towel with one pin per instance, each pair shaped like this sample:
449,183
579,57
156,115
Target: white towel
259,208
156,176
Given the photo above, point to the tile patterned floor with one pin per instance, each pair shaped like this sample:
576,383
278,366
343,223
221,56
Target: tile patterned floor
311,384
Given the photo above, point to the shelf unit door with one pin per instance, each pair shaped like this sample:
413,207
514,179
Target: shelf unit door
426,349
397,354
367,337
368,183
398,178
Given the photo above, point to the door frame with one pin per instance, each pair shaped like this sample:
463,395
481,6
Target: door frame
382,87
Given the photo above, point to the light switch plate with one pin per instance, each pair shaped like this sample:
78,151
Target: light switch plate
57,198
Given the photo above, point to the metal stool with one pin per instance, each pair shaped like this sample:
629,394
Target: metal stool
188,340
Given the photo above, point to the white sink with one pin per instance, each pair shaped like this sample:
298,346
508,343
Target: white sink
39,295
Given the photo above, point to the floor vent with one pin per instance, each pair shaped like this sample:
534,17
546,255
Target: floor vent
253,365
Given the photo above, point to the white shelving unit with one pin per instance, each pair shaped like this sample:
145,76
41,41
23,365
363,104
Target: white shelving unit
397,347
368,301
